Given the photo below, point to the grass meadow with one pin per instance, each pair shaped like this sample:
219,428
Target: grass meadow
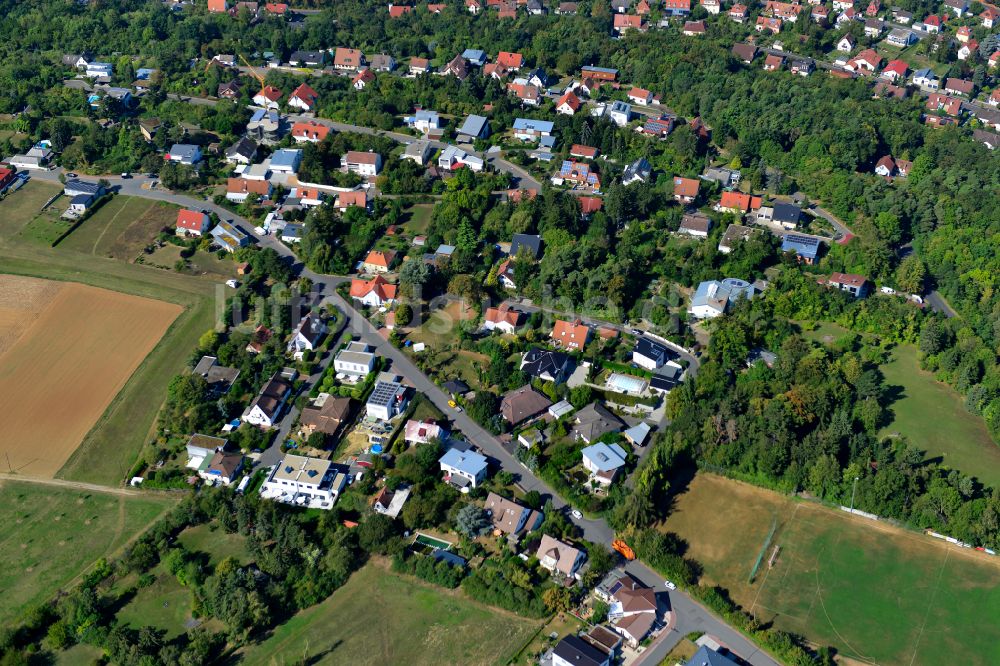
381,618
52,535
877,593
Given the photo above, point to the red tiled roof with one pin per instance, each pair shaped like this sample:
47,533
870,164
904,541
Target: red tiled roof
306,94
383,289
310,129
571,99
686,187
739,201
383,259
192,220
510,60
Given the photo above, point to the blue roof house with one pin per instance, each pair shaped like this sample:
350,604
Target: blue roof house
464,469
806,248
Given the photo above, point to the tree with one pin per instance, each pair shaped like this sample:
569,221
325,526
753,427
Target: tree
472,521
557,599
414,273
404,314
911,274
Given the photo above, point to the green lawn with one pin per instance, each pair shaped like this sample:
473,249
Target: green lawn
876,593
48,226
165,605
19,208
932,417
51,535
381,618
215,542
418,218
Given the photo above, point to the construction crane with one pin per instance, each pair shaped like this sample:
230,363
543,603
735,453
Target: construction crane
253,73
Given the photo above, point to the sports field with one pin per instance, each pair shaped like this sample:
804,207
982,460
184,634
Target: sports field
53,534
878,594
65,351
381,618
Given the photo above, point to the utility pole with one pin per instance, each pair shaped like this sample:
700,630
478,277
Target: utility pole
853,490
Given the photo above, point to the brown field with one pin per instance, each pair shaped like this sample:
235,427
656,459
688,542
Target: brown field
66,350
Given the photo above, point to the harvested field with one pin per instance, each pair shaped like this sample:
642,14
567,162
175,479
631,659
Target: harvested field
67,350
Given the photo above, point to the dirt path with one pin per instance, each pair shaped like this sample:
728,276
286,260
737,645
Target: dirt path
79,485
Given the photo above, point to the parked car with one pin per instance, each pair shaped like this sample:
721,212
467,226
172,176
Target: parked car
232,283
576,514
670,586
126,175
71,175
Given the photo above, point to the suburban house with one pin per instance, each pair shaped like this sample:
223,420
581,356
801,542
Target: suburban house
325,415
420,152
73,188
223,468
463,469
362,79
961,87
695,224
806,248
559,557
639,171
238,189
550,366
387,400
306,336
744,52
218,377
389,502
474,127
570,335
686,189
713,298
568,104
503,319
528,129
183,153
374,293
706,656
354,360
856,285
509,517
574,651
632,610
242,152
888,167
309,131
192,222
423,432
787,215
269,97
735,233
530,244
345,59
285,160
200,449
640,96
453,157
312,483
650,354
593,422
424,121
578,175
362,163
378,261
523,404
229,237
583,152
901,37
266,407
418,66
307,59
737,202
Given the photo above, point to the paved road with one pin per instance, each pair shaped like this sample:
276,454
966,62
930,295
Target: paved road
938,303
690,616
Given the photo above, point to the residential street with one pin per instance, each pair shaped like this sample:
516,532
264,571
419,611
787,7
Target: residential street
691,616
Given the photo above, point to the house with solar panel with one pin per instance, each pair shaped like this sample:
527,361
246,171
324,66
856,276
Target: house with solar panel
388,400
312,483
806,248
529,129
578,176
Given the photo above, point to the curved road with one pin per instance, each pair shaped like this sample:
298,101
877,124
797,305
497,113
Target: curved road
689,615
